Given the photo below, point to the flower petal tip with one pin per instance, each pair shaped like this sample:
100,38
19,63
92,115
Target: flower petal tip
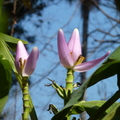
19,42
76,32
76,29
108,53
35,48
60,30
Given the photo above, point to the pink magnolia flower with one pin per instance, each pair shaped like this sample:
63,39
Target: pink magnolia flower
25,64
70,53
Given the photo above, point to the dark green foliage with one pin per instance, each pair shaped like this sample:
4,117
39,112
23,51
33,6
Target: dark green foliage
107,69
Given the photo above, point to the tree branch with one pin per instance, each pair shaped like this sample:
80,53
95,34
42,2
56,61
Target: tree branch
95,3
14,17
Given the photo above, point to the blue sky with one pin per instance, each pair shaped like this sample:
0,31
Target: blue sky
67,17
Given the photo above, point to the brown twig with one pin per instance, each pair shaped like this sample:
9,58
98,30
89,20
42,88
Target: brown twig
14,17
95,3
106,41
96,30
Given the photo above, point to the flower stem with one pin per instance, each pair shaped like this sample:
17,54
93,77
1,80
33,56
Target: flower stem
69,80
69,87
33,115
26,102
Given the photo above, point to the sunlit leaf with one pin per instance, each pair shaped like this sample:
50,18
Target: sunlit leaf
114,114
90,107
5,80
6,53
99,114
11,41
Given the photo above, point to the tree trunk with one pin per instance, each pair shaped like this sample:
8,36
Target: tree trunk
85,11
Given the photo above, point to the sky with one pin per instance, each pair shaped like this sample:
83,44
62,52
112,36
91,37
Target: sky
68,17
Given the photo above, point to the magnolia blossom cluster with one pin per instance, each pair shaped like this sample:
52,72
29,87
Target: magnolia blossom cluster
70,55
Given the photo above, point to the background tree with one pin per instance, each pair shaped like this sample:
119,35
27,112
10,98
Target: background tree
86,6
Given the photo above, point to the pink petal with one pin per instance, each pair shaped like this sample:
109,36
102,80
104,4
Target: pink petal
88,65
63,51
20,53
31,62
75,45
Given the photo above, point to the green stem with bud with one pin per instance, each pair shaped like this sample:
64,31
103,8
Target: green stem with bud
69,86
69,80
33,115
26,101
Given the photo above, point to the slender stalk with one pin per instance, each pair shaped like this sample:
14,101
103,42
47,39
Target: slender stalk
69,80
32,109
26,101
69,87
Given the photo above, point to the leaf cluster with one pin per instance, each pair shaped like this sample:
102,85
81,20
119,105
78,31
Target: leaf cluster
97,110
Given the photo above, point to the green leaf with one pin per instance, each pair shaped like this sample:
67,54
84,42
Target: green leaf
5,19
114,114
107,69
11,41
78,108
3,102
5,80
6,53
90,107
101,111
1,1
